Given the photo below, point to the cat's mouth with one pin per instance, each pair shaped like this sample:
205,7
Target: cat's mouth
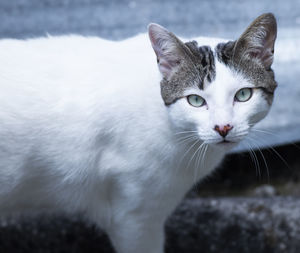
226,143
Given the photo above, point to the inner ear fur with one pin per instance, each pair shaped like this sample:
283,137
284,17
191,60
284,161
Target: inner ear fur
258,41
168,48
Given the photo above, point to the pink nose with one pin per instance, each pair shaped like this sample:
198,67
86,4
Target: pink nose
223,130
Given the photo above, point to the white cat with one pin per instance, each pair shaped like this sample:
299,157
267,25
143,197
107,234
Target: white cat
93,127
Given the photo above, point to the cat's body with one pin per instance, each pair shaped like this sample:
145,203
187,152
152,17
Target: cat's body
84,129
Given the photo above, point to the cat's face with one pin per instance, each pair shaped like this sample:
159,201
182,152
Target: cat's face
224,110
217,93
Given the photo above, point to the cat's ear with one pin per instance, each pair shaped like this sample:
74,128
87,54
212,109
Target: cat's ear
167,48
258,40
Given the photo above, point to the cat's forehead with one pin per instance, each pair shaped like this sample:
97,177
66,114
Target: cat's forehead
216,67
202,58
226,81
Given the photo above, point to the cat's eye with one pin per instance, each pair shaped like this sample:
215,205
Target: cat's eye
195,100
243,95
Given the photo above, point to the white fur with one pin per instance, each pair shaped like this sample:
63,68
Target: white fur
84,129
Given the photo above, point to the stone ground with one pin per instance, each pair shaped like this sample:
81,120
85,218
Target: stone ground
240,208
227,225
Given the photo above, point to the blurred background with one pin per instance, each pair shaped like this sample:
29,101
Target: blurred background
251,203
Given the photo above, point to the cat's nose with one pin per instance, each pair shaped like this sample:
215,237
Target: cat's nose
223,130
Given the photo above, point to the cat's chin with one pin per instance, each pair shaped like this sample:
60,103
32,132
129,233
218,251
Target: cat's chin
225,145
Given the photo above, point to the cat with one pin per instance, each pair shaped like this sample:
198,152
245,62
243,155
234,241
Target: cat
96,127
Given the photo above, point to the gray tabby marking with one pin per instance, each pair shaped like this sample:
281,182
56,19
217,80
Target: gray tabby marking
204,57
197,67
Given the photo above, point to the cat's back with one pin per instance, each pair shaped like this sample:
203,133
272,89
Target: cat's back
67,86
51,70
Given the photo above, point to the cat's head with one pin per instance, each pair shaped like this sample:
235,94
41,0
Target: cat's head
217,93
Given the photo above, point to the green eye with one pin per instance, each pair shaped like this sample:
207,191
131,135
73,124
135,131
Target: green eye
195,100
243,95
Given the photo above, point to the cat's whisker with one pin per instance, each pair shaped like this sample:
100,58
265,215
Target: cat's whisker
185,135
185,132
181,138
274,134
202,162
189,149
203,156
188,141
198,160
211,140
254,159
184,141
265,162
192,157
263,131
276,152
240,135
258,164
244,129
280,157
196,167
263,157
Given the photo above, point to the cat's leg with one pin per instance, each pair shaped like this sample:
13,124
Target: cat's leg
135,235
